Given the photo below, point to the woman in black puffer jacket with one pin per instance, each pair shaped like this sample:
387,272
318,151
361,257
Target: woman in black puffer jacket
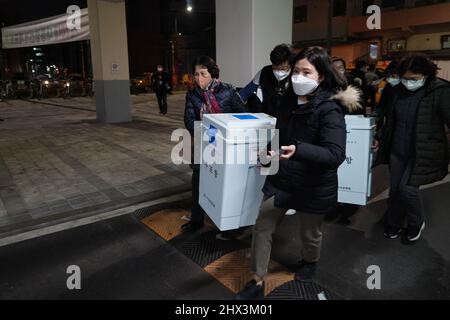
412,139
313,135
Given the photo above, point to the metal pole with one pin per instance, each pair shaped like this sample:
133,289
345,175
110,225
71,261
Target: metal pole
330,25
83,63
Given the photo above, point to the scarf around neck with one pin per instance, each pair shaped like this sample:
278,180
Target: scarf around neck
210,104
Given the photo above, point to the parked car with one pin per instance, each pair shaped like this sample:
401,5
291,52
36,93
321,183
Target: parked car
47,87
21,86
139,85
74,85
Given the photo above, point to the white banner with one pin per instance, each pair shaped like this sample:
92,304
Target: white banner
58,29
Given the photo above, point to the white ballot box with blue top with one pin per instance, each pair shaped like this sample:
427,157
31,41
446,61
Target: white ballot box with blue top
355,174
230,181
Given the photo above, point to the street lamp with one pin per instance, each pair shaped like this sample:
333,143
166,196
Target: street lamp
189,6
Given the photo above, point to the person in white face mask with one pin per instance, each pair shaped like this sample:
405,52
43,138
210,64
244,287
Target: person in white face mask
160,81
272,81
412,140
391,84
313,138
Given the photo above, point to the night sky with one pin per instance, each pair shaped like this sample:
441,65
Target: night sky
20,11
150,25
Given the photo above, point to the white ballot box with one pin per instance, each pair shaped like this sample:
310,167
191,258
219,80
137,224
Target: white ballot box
230,183
355,174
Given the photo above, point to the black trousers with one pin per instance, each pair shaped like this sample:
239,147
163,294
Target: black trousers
404,201
198,214
162,101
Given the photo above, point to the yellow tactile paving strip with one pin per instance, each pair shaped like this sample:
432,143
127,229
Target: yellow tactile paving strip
233,271
167,223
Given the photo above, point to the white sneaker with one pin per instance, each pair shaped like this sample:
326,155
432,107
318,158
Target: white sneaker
414,233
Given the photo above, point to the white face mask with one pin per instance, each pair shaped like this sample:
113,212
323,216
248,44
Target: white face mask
281,75
393,81
413,85
302,85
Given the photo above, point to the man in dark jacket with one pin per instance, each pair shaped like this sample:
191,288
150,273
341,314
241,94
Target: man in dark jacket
412,140
161,86
273,81
209,96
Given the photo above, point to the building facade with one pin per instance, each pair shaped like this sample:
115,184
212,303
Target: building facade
406,26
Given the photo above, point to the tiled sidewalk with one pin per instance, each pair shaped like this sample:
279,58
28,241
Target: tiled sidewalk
56,162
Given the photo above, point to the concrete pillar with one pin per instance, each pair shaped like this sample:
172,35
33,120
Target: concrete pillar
246,33
109,50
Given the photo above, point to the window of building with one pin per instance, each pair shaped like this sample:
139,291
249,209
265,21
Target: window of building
445,40
393,3
301,14
339,8
374,51
397,45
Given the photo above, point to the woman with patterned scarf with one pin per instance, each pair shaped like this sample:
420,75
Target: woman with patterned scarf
210,95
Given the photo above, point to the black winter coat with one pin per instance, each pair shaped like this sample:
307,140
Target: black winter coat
160,82
430,142
308,181
227,98
273,91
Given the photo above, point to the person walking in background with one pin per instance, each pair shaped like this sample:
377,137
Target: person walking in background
392,81
161,85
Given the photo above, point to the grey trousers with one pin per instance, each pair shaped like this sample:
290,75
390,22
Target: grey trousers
268,220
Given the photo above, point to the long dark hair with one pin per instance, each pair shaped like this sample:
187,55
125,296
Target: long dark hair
333,81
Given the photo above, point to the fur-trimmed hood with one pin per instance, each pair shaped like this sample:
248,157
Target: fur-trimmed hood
350,99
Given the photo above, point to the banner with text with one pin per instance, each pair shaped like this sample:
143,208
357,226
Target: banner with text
68,27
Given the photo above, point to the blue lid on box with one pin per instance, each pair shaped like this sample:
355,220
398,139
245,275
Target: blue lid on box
245,117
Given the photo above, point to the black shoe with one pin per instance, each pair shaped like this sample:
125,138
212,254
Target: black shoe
413,233
392,232
252,291
305,271
191,227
